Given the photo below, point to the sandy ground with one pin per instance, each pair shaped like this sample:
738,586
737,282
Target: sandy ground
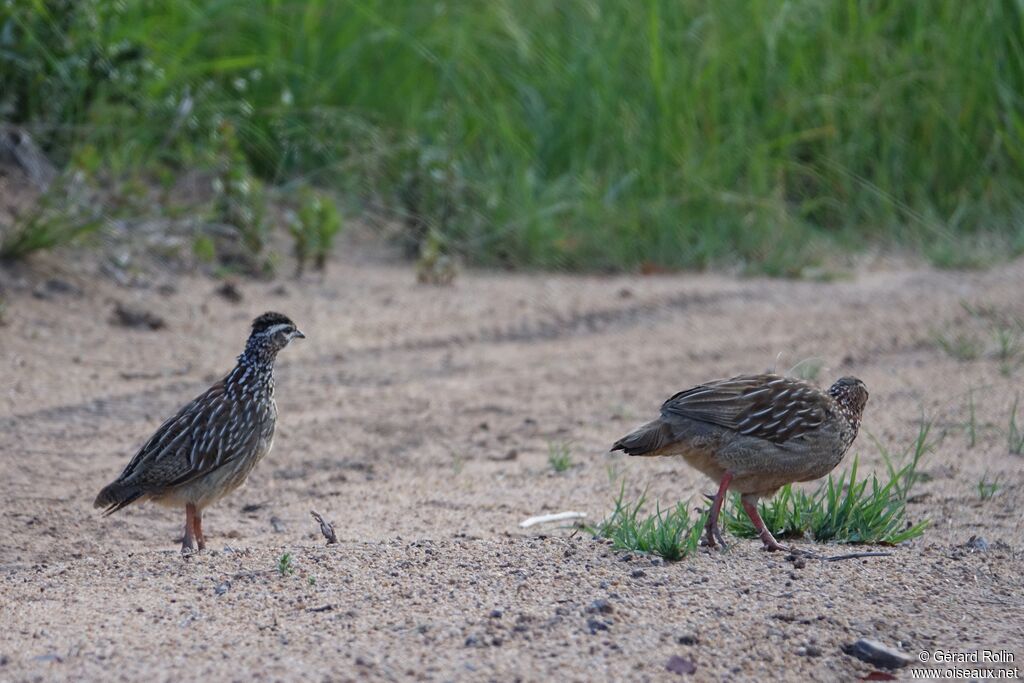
419,420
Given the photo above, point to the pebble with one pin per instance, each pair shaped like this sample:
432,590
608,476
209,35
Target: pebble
680,665
596,625
877,654
600,606
977,543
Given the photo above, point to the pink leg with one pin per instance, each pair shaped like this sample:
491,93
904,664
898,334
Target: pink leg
750,505
188,542
711,528
198,522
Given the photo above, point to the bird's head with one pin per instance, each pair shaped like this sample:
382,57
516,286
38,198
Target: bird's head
273,331
851,395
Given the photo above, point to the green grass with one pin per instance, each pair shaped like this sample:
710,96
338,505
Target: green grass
313,228
843,510
285,565
580,134
61,215
972,420
559,456
1014,435
670,534
987,488
961,345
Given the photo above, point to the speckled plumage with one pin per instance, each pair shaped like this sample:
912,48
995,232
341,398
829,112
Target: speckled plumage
212,444
755,433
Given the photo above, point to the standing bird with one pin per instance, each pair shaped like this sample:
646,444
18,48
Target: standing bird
208,449
754,434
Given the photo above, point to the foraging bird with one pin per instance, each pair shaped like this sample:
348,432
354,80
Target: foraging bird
754,434
209,448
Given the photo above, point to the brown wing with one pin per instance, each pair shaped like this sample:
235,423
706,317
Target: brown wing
206,434
765,406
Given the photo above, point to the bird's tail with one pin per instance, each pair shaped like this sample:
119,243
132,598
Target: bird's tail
646,440
117,495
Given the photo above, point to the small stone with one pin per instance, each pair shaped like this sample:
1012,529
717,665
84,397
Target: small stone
600,606
128,316
596,625
229,291
637,573
877,654
680,665
222,588
800,563
687,639
495,614
977,543
472,641
808,651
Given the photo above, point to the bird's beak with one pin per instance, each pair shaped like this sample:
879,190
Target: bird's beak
298,334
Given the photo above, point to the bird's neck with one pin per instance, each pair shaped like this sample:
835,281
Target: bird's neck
253,374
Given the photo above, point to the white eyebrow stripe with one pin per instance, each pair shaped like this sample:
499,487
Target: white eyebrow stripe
276,328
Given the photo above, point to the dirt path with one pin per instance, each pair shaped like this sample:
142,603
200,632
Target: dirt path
419,419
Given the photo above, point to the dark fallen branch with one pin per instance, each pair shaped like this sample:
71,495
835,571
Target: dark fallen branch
326,528
854,556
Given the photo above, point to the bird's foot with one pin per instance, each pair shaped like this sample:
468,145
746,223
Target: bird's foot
713,537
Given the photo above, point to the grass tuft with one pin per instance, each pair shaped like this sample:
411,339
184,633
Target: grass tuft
61,215
559,456
843,510
670,534
963,346
987,488
1014,435
313,229
285,566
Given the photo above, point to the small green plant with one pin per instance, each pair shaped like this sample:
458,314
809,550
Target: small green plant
240,202
313,230
435,265
1008,346
988,488
311,581
1008,342
559,456
907,475
1015,438
59,216
669,534
204,248
843,510
787,515
808,369
963,346
284,565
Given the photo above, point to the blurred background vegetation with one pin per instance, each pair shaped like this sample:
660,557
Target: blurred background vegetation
581,134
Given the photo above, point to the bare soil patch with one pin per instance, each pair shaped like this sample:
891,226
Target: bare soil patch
418,420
